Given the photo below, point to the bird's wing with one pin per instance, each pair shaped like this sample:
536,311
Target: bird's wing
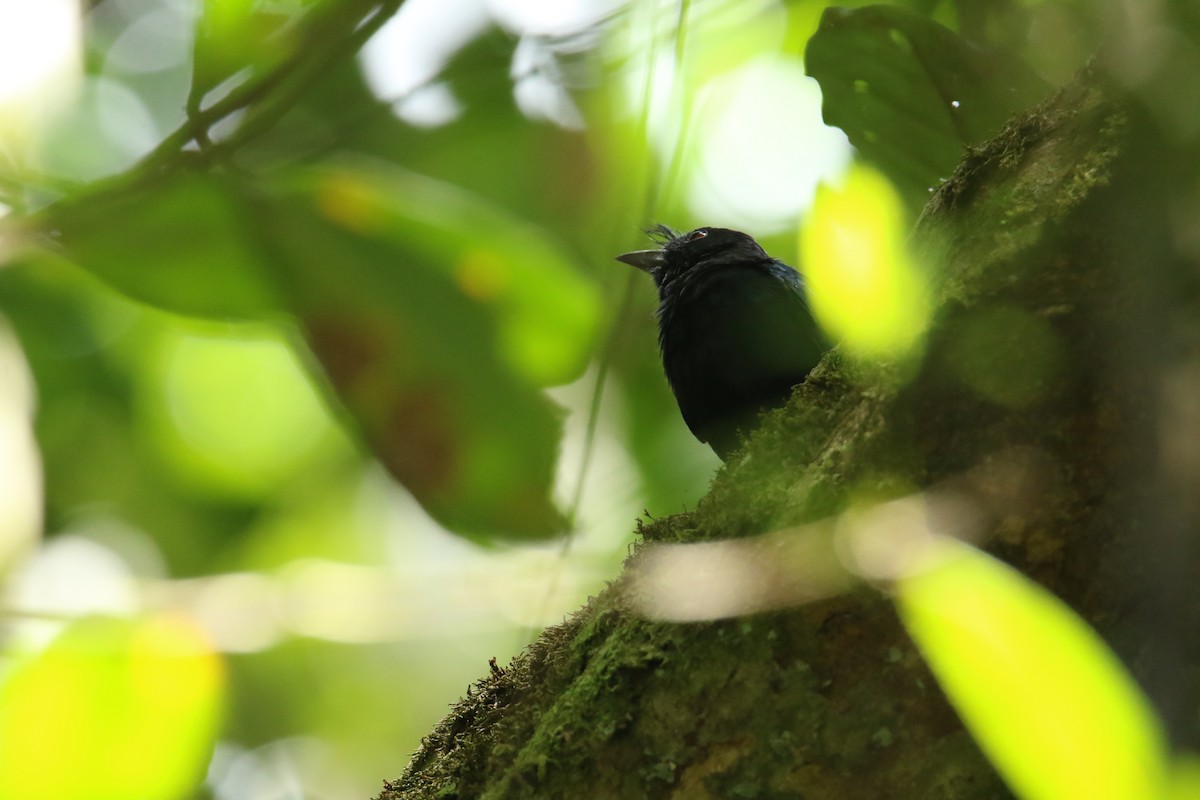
766,329
737,345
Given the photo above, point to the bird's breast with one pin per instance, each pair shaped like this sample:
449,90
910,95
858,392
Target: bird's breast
734,340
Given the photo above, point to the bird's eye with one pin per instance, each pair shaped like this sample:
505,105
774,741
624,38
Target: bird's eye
694,235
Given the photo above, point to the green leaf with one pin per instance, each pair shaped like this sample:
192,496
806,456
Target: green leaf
862,283
177,243
434,316
234,35
112,709
546,313
1185,778
912,94
1048,702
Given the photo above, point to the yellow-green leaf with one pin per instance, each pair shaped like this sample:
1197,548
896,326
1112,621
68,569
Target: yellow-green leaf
110,710
1048,702
864,288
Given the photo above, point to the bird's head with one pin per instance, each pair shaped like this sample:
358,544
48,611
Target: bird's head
680,252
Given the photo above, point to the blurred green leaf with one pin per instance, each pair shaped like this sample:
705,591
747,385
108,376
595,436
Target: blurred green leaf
112,709
230,36
91,350
1185,778
433,314
546,313
176,243
1045,698
911,94
232,410
863,285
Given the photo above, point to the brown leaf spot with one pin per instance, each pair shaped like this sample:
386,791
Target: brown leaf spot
419,443
348,350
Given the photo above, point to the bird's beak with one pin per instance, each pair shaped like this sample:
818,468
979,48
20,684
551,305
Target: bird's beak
645,260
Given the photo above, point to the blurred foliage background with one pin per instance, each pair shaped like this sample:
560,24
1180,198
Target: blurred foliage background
320,385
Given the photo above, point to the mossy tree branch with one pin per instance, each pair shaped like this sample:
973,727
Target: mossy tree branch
1059,221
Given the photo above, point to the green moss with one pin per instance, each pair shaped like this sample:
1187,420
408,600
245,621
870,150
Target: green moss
824,700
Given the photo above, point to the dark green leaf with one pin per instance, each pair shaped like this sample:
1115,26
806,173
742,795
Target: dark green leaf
545,313
410,292
912,94
435,315
177,243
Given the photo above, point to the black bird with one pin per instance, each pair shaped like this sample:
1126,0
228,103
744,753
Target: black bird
734,328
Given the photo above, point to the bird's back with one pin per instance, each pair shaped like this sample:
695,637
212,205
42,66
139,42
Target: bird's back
735,339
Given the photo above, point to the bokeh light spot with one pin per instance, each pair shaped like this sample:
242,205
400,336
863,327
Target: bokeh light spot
235,412
40,63
106,130
85,717
20,462
763,148
1048,702
864,288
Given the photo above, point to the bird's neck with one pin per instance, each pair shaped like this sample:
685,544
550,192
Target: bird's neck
673,284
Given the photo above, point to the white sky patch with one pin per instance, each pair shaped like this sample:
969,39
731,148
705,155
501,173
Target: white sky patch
762,148
412,48
428,106
38,42
537,86
156,41
552,17
20,460
41,62
402,60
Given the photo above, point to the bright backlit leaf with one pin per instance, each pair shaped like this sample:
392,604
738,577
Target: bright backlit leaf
110,711
864,288
1185,778
1045,698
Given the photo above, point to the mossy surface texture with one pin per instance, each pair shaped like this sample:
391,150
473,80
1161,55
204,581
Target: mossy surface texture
830,699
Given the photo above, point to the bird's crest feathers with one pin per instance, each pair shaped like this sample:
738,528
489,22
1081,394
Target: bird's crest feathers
662,234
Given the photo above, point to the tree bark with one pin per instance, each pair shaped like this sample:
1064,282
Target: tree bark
1058,226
